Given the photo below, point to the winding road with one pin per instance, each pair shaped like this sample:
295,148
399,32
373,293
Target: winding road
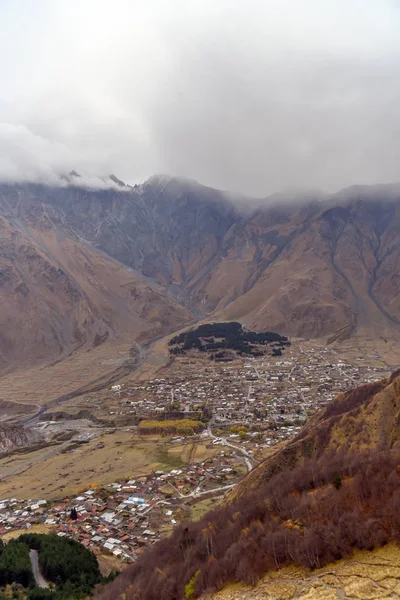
245,455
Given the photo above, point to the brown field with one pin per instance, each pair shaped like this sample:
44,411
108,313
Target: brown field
41,384
200,508
108,563
15,533
58,471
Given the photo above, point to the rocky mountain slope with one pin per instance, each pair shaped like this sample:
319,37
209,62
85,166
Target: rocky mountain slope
79,267
59,295
15,436
334,489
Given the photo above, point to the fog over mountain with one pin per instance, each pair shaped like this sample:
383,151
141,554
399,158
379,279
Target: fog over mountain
254,97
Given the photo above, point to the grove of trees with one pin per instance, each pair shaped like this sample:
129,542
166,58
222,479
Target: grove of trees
15,564
64,562
180,427
226,336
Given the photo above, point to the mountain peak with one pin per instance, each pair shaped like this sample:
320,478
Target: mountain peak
162,180
117,181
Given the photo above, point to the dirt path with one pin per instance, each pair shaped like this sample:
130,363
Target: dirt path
39,579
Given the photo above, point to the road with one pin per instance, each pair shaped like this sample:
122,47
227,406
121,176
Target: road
298,389
336,367
17,416
94,386
246,456
39,579
196,493
248,397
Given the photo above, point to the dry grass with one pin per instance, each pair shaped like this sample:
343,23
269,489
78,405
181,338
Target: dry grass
108,563
56,472
15,533
364,576
39,385
202,507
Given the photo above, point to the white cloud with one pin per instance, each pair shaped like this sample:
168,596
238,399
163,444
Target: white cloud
253,96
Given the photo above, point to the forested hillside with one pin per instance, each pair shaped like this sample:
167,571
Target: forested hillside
71,569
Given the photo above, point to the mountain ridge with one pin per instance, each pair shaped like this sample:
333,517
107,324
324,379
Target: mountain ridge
306,268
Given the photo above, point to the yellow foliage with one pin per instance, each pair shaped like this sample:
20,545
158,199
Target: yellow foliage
180,426
238,429
190,587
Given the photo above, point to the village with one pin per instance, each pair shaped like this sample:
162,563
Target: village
247,407
272,395
122,518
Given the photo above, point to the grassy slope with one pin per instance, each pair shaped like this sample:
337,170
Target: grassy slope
366,575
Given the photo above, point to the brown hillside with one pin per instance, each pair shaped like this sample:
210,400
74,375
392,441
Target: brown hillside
59,295
305,267
82,267
363,418
329,492
366,575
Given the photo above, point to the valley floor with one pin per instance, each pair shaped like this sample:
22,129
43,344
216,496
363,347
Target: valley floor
90,440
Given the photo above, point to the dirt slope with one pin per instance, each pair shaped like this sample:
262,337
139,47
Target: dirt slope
59,295
16,436
366,576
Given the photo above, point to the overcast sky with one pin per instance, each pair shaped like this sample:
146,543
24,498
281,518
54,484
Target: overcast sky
248,95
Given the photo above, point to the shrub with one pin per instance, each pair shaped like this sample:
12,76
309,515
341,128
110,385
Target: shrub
190,587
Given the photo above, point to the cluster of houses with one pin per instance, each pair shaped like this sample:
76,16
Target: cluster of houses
269,391
123,518
271,396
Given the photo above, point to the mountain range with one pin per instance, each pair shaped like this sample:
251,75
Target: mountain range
82,267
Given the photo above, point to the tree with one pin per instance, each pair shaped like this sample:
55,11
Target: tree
190,587
337,482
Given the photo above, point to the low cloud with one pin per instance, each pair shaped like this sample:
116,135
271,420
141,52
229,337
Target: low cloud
254,97
25,156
